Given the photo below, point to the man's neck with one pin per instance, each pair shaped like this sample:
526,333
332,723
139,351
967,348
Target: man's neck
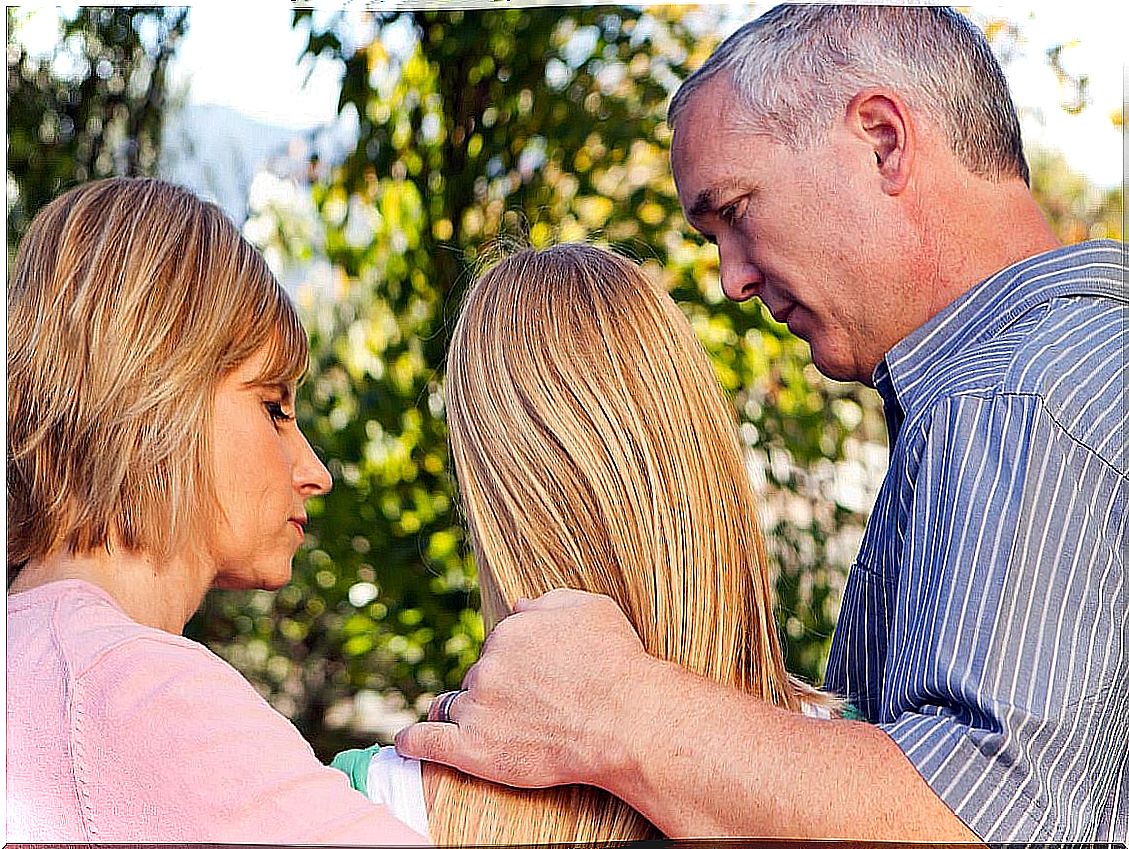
999,225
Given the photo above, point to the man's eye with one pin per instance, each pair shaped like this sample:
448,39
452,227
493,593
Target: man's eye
731,212
276,411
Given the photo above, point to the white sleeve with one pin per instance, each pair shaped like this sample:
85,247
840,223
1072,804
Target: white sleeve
815,711
397,782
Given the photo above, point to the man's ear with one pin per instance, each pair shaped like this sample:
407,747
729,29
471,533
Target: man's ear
881,119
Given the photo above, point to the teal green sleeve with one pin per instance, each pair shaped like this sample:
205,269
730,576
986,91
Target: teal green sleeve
354,763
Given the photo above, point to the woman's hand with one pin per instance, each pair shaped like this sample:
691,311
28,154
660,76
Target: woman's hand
550,700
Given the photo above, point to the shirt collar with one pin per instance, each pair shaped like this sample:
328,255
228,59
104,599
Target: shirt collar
1089,268
891,406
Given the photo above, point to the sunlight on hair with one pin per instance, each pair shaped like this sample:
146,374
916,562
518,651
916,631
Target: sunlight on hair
595,449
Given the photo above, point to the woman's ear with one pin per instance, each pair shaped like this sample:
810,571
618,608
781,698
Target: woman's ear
881,119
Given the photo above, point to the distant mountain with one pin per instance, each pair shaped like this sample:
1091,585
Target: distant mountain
216,151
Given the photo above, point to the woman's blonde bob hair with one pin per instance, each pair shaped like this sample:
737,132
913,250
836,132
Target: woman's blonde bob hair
595,449
128,300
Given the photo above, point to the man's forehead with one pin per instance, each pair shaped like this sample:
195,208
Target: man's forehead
708,162
692,167
711,123
693,147
712,102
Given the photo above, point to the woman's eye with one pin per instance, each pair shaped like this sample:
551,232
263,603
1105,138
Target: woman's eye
276,411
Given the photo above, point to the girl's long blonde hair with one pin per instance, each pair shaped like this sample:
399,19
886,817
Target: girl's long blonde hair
595,449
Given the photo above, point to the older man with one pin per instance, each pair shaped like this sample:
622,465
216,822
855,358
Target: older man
860,170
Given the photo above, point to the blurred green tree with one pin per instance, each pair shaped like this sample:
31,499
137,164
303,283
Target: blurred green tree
1076,208
93,107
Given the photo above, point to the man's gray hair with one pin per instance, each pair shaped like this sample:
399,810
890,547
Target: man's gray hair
796,67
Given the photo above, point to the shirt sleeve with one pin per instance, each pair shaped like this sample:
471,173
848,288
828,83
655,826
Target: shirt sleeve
172,740
397,782
1005,679
354,763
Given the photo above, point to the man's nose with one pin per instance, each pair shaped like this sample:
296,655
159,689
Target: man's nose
740,278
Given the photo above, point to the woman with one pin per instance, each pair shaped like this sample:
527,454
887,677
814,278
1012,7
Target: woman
594,449
152,454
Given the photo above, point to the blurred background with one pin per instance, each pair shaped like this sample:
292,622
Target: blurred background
375,157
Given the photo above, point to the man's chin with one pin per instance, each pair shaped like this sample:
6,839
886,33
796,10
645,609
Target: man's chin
836,367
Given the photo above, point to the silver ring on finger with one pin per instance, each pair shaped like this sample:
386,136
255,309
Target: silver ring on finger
440,710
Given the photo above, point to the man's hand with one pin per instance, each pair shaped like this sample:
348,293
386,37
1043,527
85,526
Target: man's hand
565,694
546,702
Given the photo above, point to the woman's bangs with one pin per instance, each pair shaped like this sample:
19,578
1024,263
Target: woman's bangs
287,347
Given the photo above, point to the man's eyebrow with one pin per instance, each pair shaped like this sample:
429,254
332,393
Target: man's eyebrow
703,203
707,199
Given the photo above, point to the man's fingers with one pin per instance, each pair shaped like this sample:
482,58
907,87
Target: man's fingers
471,677
429,741
515,723
458,706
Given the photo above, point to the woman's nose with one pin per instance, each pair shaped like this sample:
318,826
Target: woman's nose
311,477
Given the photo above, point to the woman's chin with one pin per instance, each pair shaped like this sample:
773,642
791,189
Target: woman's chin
275,579
276,582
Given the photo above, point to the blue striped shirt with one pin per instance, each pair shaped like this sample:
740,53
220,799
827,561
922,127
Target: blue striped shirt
985,625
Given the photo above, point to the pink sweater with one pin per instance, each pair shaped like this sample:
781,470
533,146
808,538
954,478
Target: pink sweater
120,732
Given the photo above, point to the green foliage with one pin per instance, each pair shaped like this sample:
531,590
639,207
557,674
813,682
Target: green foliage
92,108
1076,208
